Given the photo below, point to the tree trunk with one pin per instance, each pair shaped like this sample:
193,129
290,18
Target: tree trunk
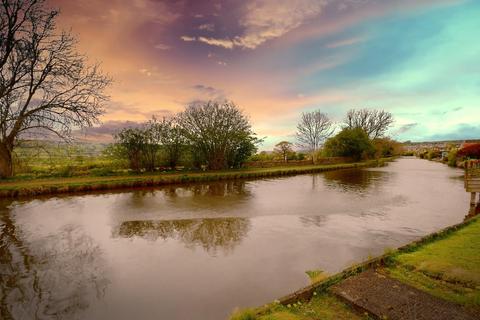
314,156
6,164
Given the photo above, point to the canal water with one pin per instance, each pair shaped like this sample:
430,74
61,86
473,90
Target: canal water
198,251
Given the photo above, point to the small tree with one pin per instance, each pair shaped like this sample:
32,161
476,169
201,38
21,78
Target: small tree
152,135
132,142
172,140
374,122
284,148
45,85
352,143
313,129
386,147
215,130
242,151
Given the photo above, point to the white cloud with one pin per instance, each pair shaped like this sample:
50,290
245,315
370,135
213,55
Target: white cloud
269,19
225,43
161,46
207,27
187,38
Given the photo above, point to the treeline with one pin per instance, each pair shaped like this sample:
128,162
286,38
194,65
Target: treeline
214,135
217,135
361,137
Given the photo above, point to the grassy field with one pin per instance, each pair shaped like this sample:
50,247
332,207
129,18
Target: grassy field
54,185
448,268
41,159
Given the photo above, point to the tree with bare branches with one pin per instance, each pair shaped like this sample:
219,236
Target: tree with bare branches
46,87
374,122
313,129
283,148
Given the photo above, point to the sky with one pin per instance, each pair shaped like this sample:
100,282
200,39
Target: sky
418,59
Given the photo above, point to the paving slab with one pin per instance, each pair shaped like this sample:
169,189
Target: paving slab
387,298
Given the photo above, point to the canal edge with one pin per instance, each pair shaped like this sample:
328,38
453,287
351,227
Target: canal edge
306,293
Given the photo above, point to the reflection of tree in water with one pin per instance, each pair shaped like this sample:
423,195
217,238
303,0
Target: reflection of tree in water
359,180
49,278
220,188
211,234
225,194
313,221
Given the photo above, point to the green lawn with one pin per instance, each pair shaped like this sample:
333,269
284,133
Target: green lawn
322,306
448,268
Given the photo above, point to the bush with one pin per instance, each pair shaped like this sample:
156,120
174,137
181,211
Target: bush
386,147
452,158
353,143
433,154
471,151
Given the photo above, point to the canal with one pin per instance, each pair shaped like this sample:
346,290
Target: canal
198,251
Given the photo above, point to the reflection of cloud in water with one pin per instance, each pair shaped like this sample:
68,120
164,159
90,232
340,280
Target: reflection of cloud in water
48,278
356,180
210,234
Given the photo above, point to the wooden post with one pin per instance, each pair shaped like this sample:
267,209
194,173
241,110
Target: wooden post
472,199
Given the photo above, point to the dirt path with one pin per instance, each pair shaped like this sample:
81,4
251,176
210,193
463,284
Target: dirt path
387,298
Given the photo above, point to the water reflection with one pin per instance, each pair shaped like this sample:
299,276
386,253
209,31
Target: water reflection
354,180
218,245
50,277
313,221
220,195
210,234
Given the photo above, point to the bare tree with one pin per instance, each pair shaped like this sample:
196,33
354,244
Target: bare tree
314,128
374,122
284,148
45,85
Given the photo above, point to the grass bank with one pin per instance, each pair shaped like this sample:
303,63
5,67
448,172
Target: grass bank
20,188
445,264
448,268
323,306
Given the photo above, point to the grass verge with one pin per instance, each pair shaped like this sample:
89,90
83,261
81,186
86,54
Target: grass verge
448,268
20,188
323,306
452,251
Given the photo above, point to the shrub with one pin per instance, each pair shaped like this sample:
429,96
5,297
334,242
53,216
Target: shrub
386,147
433,154
471,151
452,158
352,143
